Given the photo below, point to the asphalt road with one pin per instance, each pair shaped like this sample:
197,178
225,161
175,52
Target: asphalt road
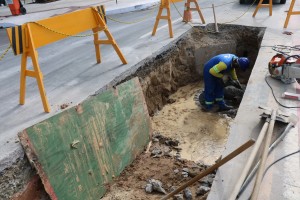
4,42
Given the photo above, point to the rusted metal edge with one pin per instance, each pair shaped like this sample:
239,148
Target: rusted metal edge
33,159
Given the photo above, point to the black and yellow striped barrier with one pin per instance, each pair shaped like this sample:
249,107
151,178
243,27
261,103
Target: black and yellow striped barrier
25,39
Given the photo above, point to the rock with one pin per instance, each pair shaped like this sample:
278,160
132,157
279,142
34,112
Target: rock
156,151
207,180
172,142
202,190
156,135
201,164
176,171
157,186
185,170
187,194
149,188
155,140
178,197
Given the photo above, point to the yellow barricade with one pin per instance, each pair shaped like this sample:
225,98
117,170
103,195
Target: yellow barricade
25,39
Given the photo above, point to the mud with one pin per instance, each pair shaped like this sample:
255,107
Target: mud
202,135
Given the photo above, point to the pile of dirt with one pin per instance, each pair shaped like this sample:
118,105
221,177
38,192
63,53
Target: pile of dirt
161,165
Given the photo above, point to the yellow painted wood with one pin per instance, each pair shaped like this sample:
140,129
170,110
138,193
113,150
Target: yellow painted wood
260,5
290,12
23,78
26,38
36,68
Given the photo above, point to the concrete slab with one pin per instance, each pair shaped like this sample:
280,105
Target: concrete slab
203,54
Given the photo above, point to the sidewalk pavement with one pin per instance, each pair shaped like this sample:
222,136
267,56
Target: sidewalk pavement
41,11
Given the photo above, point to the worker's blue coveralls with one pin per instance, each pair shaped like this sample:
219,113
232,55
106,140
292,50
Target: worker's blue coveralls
213,72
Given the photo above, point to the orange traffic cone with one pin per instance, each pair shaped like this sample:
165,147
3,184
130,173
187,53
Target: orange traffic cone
187,14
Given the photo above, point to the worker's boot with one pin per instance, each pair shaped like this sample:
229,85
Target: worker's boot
207,107
224,107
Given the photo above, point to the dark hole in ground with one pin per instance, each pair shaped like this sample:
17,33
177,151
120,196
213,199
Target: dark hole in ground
169,81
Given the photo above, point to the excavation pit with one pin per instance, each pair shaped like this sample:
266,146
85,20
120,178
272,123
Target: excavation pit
170,80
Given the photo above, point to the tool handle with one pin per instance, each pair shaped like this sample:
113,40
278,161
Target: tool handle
249,161
264,157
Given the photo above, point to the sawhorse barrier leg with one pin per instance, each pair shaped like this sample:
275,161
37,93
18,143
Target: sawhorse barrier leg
197,8
35,73
261,5
290,12
164,5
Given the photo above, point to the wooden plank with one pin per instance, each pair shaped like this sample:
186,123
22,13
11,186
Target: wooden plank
78,151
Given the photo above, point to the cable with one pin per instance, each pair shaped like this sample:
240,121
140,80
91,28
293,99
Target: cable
279,160
266,170
241,14
285,50
276,98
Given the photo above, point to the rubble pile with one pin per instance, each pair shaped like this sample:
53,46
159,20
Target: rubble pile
159,172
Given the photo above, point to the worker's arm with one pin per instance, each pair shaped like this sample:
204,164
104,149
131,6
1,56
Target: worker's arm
233,74
216,70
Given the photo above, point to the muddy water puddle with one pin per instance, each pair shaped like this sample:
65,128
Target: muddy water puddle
202,135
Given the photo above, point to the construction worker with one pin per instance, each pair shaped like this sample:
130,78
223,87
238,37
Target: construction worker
213,73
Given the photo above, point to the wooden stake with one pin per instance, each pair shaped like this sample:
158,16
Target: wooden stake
212,168
216,25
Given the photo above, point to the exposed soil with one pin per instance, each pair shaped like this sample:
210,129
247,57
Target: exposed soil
202,135
170,170
183,136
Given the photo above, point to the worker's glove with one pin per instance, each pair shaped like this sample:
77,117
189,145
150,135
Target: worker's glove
237,84
225,78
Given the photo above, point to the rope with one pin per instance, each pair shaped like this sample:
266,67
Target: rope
5,52
242,14
61,33
219,5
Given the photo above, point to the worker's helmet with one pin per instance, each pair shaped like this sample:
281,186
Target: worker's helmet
243,63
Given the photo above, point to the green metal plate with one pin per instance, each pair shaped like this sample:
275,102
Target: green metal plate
80,150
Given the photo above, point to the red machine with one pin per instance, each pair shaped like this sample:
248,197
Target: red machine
16,8
285,68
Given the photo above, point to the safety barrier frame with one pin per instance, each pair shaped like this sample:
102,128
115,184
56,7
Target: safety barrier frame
26,38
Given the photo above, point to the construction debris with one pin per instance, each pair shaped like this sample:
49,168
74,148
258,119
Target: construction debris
202,190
